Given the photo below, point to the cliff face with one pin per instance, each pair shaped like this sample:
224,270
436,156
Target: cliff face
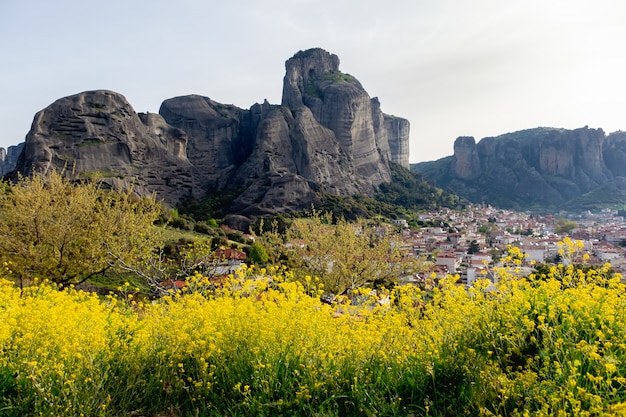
327,136
97,133
614,153
466,162
541,167
219,136
9,157
397,130
338,102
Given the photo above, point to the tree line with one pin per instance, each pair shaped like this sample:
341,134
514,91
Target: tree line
57,228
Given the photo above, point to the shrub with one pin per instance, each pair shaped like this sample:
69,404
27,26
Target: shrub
258,254
203,227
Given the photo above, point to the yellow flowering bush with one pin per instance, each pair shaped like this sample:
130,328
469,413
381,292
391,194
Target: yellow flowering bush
260,342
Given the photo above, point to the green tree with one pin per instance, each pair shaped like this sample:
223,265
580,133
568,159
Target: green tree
496,254
347,255
272,239
258,254
474,247
565,226
485,228
53,228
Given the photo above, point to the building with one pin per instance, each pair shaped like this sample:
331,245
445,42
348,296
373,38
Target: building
450,260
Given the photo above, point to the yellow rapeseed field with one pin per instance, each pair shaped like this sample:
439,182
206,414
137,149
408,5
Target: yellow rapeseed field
263,343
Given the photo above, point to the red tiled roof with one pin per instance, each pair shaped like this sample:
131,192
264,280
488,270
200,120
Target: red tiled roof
177,284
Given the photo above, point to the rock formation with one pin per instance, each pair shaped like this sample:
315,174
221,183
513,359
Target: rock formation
543,167
338,102
397,130
328,136
466,163
98,134
9,157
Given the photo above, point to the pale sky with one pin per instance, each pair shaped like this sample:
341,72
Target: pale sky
451,67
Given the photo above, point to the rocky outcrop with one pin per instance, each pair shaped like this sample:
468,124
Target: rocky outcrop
614,153
328,136
276,157
397,130
98,134
339,103
543,167
293,157
220,136
9,157
466,162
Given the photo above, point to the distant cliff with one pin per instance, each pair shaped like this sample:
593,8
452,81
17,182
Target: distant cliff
9,157
535,168
327,136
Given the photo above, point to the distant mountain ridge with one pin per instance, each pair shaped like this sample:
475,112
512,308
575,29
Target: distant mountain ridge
327,136
541,168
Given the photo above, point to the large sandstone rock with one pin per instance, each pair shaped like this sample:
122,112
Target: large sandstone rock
339,103
397,130
9,157
614,153
97,133
466,163
543,167
328,136
219,136
277,158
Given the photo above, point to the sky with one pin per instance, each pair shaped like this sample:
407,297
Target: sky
451,67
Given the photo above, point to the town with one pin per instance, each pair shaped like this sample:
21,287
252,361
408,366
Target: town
467,242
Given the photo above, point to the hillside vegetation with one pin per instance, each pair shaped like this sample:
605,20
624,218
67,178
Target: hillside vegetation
406,194
287,335
264,344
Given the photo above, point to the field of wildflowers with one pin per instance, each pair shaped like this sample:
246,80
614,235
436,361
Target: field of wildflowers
263,344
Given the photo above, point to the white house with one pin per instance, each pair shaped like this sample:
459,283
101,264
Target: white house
400,222
449,260
534,253
480,257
